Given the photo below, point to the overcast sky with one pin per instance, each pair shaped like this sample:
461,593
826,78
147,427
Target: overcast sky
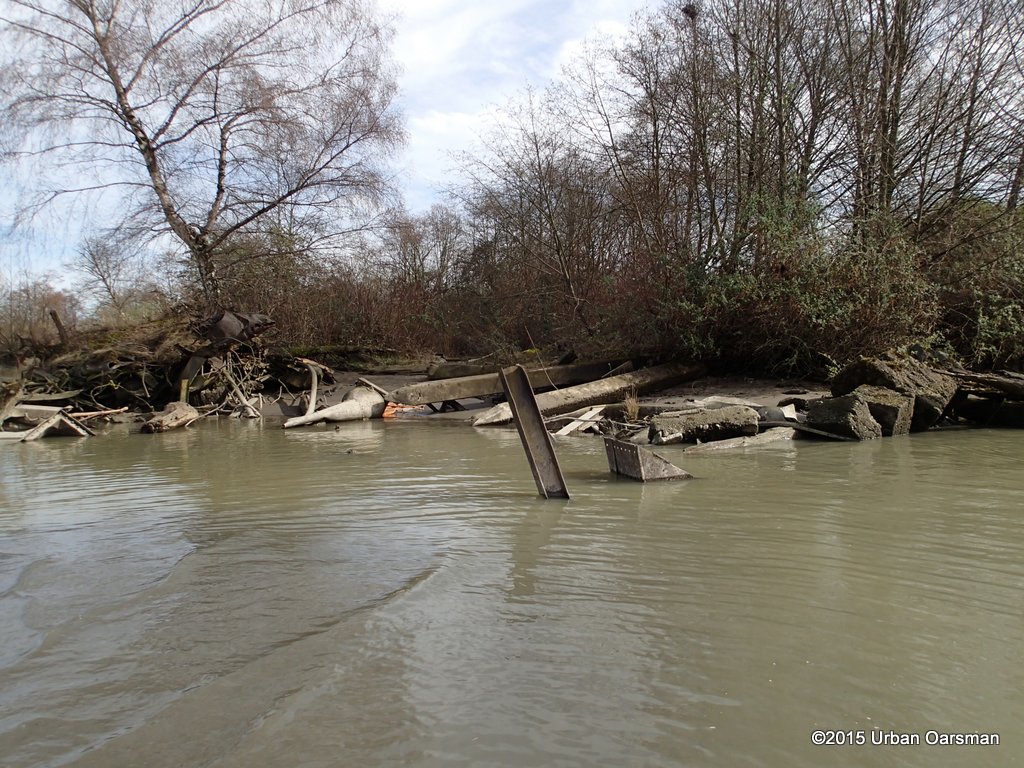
462,58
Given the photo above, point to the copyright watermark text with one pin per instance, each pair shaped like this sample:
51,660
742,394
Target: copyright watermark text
878,737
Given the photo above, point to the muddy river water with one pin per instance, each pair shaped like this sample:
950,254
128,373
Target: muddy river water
395,594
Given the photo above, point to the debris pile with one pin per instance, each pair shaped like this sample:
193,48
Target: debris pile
185,369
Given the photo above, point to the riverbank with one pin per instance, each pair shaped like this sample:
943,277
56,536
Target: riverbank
767,392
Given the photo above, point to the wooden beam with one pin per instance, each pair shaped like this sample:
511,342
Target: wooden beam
586,420
602,391
482,385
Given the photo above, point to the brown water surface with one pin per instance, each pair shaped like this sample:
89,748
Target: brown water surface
396,595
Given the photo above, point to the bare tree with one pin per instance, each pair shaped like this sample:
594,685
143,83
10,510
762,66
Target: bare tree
32,312
214,118
115,276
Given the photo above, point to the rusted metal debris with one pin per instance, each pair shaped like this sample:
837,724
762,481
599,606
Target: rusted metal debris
630,460
536,439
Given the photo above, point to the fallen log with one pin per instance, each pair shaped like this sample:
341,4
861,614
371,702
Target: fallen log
175,415
489,384
359,403
601,391
1008,384
988,412
460,370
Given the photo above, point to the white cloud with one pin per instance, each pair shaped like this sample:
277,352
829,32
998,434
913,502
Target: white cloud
463,58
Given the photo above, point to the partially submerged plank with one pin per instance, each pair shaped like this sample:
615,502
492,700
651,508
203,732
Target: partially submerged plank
359,403
587,419
630,460
540,451
601,391
58,425
482,385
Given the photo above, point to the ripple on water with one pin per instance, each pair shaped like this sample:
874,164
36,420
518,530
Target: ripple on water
399,595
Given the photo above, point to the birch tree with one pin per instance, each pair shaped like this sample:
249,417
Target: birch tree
212,119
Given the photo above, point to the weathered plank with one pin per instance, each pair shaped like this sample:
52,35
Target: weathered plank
59,424
770,435
601,391
585,420
490,384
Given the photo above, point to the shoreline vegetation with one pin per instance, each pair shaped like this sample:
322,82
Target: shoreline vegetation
769,189
222,367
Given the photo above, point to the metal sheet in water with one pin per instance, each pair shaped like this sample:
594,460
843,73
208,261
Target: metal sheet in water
540,451
639,464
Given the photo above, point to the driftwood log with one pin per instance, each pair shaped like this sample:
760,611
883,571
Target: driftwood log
359,403
175,415
489,384
601,391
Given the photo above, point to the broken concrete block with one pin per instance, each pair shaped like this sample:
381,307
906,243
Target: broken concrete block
891,409
703,425
847,416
